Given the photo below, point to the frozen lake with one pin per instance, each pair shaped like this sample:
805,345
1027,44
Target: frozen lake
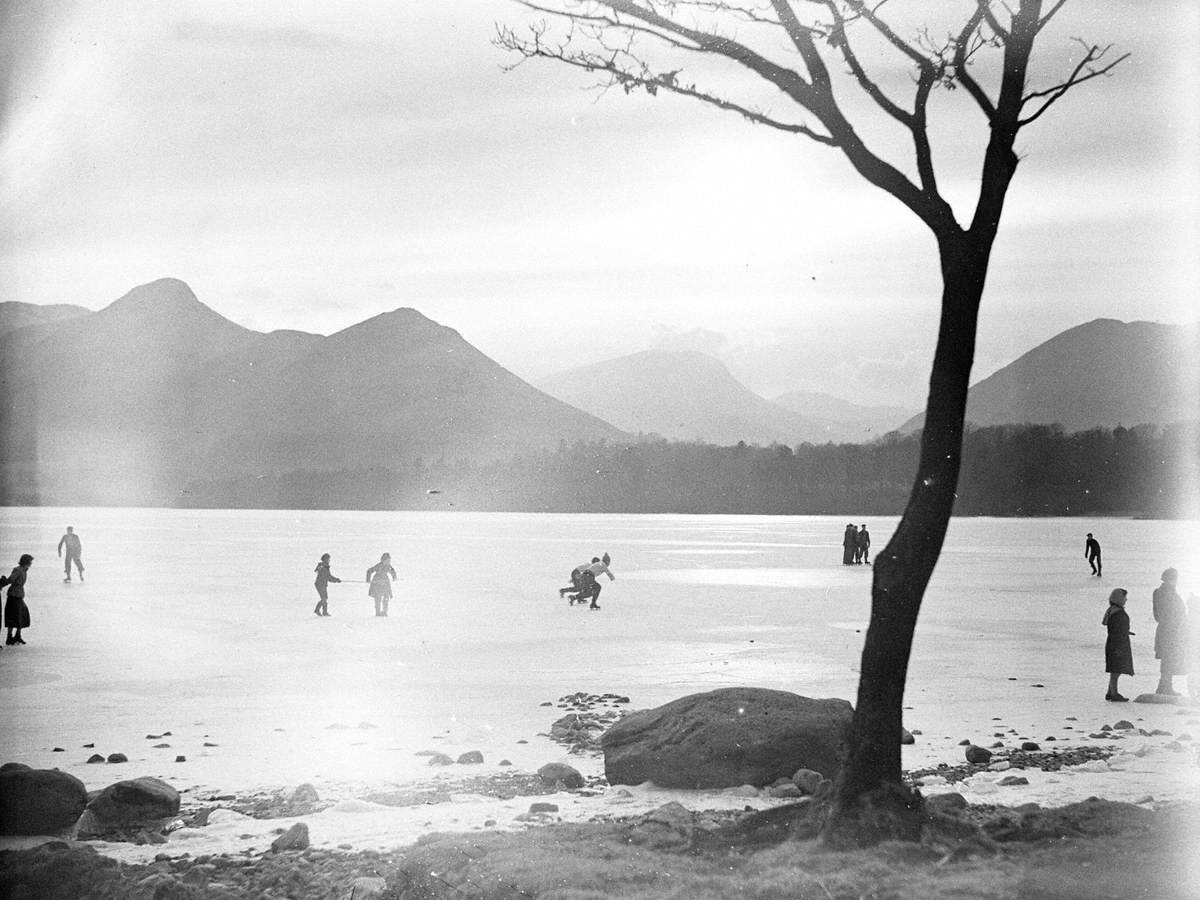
200,623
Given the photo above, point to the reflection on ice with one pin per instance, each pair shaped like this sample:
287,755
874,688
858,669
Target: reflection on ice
748,577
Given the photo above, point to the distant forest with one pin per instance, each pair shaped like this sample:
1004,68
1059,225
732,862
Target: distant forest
1028,470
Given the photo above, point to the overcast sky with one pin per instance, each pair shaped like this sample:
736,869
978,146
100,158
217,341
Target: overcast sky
310,164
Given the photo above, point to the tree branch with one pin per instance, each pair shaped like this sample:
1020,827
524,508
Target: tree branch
1078,76
962,53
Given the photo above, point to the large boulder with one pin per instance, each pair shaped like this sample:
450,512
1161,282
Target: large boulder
139,801
39,801
726,738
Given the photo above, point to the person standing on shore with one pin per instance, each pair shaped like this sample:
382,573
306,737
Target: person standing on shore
380,576
74,552
849,545
16,612
324,576
1170,638
1118,655
862,545
1091,552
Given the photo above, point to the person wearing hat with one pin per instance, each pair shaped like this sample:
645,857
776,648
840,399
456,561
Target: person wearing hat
1118,655
324,576
1170,638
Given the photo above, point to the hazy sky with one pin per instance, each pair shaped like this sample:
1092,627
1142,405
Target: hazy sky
310,164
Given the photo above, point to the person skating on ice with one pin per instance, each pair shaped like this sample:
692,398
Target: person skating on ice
380,576
70,540
1091,552
590,580
324,576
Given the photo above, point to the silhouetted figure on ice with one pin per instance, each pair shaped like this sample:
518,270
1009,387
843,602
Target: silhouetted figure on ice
70,540
16,612
380,576
586,578
1171,636
1118,655
849,545
862,545
1091,551
324,576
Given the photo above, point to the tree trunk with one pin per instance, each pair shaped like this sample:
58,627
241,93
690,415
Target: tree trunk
870,803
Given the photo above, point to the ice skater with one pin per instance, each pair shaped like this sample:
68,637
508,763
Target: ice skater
862,545
324,576
380,576
1091,552
588,582
74,552
1170,638
16,612
1118,655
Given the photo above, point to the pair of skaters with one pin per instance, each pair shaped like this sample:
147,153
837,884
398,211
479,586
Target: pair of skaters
1176,645
380,577
584,583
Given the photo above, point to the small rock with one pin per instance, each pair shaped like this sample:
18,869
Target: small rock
552,773
88,746
997,745
906,737
543,807
1039,684
1012,780
489,823
1030,745
999,766
58,750
118,758
785,790
964,743
1123,725
304,793
946,803
547,703
440,759
295,838
471,758
504,763
975,754
807,781
181,758
161,746
210,744
95,758
366,887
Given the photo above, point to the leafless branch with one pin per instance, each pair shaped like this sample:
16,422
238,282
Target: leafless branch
1050,15
963,49
1083,71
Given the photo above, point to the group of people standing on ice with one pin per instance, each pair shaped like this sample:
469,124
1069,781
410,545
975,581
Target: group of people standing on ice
379,579
1176,639
856,546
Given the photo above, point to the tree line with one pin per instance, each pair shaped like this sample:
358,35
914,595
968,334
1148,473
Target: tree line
1010,470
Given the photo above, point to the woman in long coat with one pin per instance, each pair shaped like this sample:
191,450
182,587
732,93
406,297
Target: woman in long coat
1170,638
1118,655
16,613
380,577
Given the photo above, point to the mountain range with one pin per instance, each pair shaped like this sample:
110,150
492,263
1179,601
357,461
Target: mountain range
127,404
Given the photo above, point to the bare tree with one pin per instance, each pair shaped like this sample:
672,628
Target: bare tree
626,42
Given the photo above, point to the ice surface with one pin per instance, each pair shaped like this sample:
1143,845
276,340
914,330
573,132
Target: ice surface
200,623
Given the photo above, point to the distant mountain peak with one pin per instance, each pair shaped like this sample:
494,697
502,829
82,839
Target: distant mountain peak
158,294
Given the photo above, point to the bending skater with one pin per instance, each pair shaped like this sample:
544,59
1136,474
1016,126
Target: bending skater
380,577
589,580
74,552
324,576
1091,552
577,581
1170,638
1118,655
16,612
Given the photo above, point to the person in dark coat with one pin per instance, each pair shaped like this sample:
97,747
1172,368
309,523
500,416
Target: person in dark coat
380,576
1170,638
1118,655
16,612
849,545
324,576
1091,552
862,545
